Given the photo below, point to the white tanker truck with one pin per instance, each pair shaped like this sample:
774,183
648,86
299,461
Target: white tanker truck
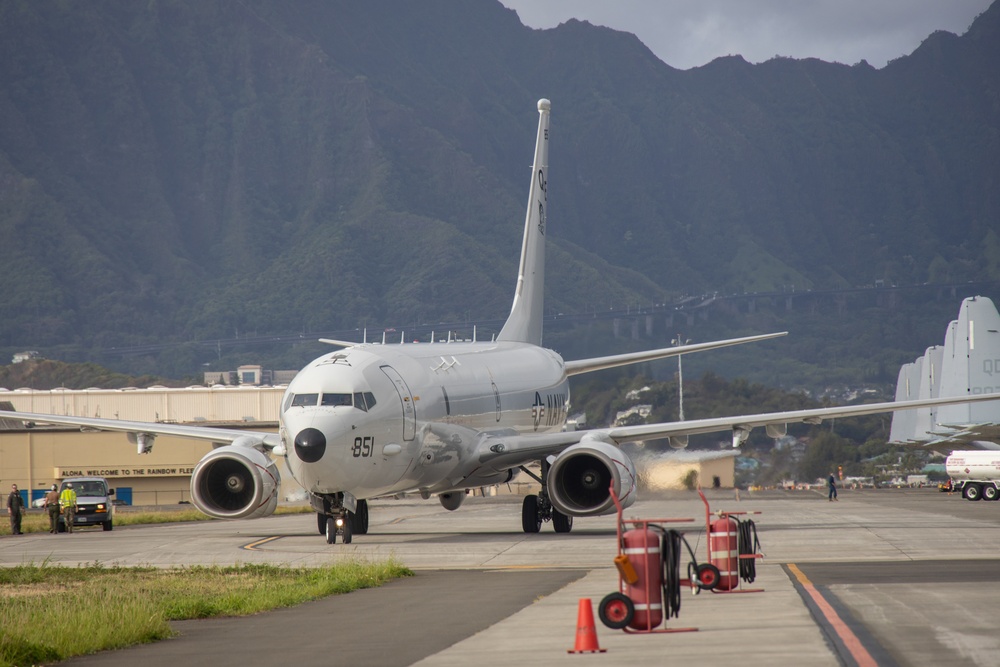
975,473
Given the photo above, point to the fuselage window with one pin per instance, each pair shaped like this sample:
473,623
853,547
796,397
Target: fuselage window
335,400
304,400
359,401
370,399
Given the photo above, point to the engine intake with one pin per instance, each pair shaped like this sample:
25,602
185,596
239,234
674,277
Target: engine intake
580,479
235,482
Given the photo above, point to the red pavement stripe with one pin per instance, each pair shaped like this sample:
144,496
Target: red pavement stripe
847,636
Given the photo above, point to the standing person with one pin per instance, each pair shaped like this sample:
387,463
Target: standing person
832,483
15,506
67,500
52,507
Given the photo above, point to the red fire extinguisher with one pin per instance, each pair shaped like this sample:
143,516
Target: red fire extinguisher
642,546
724,544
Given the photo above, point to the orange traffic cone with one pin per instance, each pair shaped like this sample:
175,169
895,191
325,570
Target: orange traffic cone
586,633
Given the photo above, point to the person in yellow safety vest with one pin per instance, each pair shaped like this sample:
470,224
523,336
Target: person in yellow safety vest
67,500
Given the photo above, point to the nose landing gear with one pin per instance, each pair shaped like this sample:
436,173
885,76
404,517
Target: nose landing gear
336,525
333,519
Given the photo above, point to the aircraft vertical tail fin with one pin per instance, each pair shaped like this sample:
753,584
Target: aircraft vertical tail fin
930,387
973,363
524,324
904,422
968,364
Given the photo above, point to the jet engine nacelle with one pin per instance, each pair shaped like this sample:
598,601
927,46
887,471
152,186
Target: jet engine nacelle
580,478
236,482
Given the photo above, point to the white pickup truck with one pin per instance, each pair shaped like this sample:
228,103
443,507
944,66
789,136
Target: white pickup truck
975,473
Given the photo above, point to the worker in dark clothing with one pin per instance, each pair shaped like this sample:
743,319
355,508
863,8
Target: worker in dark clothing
15,508
832,483
52,507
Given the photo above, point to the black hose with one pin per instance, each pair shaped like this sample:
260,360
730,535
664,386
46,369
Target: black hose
748,544
670,552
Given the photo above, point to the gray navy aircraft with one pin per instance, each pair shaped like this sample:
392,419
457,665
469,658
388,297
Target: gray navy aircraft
369,420
968,364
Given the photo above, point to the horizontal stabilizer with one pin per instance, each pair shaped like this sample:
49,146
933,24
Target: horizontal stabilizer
600,363
338,343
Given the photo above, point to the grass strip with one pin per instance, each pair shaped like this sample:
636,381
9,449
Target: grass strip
50,613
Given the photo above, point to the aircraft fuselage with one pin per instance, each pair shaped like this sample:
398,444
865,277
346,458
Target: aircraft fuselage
431,402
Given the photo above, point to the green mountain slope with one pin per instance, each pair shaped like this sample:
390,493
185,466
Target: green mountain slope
176,172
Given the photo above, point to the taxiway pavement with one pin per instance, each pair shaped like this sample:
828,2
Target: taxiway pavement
882,577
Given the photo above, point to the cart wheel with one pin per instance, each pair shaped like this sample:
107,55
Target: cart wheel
708,576
616,610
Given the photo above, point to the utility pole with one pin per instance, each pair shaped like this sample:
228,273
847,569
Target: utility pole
680,375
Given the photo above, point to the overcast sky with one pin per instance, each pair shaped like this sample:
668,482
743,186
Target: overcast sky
690,33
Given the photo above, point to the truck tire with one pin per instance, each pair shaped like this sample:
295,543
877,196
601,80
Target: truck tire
972,492
990,492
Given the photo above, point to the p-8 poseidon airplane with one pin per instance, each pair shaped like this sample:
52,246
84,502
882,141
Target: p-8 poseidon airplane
372,420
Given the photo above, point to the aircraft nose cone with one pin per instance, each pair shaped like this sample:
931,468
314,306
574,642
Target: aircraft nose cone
310,444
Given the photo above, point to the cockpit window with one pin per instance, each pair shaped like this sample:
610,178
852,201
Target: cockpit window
304,400
362,400
333,400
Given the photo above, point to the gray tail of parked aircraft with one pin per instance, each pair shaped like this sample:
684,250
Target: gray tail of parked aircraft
968,364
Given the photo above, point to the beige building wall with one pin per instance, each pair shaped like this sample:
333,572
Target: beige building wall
723,468
670,472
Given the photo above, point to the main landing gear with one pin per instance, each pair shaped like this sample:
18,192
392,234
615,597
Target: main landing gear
334,519
536,509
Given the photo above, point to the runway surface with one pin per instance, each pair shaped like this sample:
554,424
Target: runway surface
882,577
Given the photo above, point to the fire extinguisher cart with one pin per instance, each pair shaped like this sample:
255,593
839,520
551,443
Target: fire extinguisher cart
731,550
638,606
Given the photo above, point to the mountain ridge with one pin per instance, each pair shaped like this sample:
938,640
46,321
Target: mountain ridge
180,172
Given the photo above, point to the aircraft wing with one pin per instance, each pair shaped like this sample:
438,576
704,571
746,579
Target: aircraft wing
776,421
600,363
968,432
966,436
509,450
219,435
